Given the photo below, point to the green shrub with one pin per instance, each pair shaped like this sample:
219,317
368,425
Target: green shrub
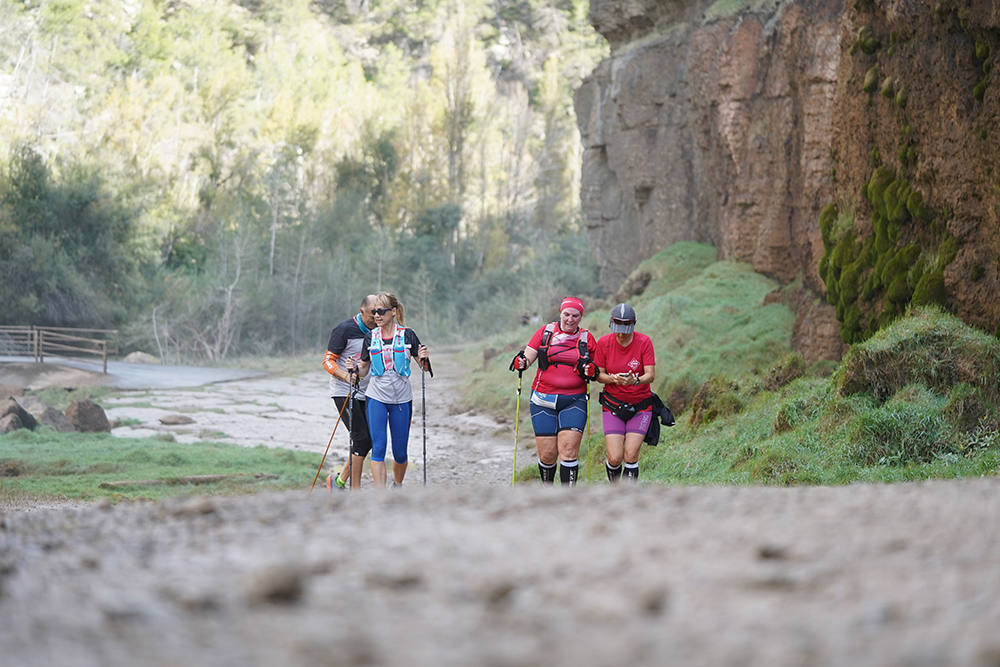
788,368
967,405
929,347
795,411
773,466
718,397
678,392
896,434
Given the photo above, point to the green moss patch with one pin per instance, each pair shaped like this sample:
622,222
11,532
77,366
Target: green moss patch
871,278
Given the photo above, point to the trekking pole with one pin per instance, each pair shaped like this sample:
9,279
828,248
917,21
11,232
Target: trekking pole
423,414
517,423
351,392
339,415
587,464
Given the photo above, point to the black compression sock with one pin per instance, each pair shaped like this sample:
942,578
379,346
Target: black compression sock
613,473
568,471
547,472
632,471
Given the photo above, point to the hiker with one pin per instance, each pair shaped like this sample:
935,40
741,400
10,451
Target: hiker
627,368
558,401
386,355
346,341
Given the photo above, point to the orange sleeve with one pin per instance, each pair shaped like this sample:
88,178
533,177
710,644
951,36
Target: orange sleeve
330,362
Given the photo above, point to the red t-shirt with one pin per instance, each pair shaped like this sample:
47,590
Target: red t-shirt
614,358
561,378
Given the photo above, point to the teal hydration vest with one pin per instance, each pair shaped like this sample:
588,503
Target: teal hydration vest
400,355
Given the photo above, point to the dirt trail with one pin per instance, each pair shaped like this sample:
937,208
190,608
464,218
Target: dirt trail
468,571
863,575
297,413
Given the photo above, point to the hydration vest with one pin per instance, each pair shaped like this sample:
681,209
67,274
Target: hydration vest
361,324
400,355
543,349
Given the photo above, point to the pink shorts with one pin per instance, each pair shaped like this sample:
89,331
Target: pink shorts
615,426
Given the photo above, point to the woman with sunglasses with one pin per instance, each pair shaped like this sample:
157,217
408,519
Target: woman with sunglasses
627,367
558,401
386,354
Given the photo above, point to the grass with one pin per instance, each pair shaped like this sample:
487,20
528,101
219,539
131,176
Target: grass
61,398
705,317
918,400
46,464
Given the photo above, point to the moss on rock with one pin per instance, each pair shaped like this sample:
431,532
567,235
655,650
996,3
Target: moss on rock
931,289
872,279
871,80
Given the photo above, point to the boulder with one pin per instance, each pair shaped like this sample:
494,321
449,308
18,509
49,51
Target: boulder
10,422
140,358
12,407
46,414
87,416
55,419
176,420
31,404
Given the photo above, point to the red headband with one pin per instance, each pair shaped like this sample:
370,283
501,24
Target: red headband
571,302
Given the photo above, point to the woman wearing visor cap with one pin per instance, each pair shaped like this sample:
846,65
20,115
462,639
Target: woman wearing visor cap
627,366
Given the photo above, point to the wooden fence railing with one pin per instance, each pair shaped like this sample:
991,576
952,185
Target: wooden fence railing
66,342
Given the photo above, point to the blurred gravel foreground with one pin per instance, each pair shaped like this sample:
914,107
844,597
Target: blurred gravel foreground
906,574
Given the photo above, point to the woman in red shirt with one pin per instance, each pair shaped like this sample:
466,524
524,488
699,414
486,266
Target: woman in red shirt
559,392
627,366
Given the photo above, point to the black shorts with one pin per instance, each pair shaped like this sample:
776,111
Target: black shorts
357,422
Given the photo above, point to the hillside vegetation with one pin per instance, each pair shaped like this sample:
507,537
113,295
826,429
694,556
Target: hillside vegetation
230,178
919,399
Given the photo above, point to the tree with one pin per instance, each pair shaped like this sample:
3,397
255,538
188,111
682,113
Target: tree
67,247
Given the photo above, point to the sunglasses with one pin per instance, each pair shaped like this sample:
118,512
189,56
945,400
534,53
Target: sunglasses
623,322
380,311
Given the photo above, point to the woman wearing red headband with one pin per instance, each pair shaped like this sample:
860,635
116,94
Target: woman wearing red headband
559,392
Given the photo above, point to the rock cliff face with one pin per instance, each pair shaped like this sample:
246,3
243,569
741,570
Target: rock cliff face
736,127
714,129
918,97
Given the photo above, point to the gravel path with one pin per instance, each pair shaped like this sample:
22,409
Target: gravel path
862,575
468,571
